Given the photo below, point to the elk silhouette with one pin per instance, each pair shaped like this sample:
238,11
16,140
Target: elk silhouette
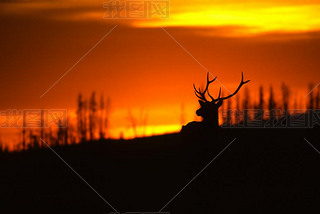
209,109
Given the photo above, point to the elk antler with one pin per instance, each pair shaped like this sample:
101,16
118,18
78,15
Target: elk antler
236,91
201,95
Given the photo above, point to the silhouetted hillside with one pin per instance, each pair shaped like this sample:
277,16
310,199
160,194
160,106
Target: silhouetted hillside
262,170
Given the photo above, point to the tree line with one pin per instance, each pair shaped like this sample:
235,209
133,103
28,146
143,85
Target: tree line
93,116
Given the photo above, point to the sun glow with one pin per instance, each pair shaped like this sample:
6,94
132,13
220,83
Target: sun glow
143,131
244,19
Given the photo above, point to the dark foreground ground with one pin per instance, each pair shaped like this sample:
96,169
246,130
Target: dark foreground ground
262,171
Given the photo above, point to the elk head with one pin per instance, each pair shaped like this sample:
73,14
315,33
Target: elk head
209,109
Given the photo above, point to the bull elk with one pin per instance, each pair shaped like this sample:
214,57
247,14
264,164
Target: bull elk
209,109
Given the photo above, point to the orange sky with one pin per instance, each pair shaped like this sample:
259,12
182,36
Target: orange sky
139,66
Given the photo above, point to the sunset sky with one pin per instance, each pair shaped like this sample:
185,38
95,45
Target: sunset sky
139,66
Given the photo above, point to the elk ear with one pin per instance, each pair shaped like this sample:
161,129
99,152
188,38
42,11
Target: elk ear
219,103
201,103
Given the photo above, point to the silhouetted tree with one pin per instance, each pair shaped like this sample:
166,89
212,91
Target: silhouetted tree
72,133
33,140
259,107
133,122
66,135
60,134
23,138
143,120
85,120
51,139
107,115
261,97
271,105
3,147
81,118
45,139
285,96
237,112
101,118
92,115
138,123
229,119
246,105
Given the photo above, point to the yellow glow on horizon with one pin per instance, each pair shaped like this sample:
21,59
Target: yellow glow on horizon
143,131
244,20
